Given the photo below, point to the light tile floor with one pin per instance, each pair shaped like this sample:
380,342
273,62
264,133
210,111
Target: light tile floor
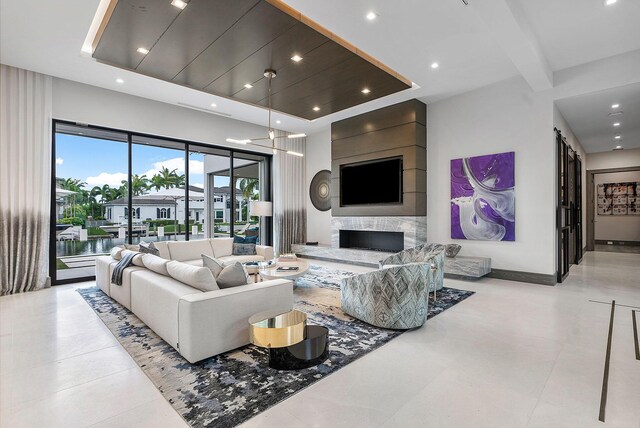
513,355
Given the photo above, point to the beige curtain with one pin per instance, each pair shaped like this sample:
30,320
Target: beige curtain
25,182
289,195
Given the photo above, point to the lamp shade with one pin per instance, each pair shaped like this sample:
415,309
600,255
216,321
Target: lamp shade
260,208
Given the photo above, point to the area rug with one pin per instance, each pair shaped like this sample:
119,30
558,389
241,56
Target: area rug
228,389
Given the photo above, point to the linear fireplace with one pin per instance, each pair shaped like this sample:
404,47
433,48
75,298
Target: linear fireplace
372,240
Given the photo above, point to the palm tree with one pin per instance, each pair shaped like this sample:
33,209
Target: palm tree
156,182
74,185
249,187
139,184
167,177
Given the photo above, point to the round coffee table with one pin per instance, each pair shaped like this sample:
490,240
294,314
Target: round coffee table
276,273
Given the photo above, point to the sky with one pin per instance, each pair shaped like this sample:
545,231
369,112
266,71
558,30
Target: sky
98,162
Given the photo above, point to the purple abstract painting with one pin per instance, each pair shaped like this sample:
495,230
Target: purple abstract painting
483,198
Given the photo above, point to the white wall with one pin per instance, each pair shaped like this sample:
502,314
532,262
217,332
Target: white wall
503,117
78,102
560,123
614,159
318,157
616,228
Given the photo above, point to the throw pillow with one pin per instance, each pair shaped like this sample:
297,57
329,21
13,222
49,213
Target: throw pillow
149,248
137,259
131,247
244,249
245,239
194,276
116,252
452,250
214,265
155,264
233,276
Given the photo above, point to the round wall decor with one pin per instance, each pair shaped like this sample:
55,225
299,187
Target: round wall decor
320,190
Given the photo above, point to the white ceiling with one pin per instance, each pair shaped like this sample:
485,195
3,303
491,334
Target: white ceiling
574,32
46,36
588,117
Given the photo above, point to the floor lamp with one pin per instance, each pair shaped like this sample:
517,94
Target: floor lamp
261,209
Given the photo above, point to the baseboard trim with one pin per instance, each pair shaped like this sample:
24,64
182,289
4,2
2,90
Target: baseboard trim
627,243
528,277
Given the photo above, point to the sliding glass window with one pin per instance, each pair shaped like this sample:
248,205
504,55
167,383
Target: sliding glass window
90,173
115,187
209,174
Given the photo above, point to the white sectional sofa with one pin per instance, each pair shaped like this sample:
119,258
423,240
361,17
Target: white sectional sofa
197,324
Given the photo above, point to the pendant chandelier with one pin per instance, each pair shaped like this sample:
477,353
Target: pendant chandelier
271,134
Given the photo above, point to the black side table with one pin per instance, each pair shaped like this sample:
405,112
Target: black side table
313,350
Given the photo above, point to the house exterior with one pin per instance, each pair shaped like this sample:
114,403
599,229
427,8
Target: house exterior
116,211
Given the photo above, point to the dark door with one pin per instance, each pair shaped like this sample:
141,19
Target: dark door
571,182
563,211
578,211
568,207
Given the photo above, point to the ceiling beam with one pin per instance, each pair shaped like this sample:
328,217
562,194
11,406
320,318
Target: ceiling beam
510,27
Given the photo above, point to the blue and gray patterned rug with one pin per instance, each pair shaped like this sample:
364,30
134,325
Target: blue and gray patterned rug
228,389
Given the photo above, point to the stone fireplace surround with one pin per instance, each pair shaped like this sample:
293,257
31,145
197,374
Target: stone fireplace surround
414,231
414,228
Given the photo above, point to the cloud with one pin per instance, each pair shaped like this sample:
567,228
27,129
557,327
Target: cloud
113,180
59,161
195,167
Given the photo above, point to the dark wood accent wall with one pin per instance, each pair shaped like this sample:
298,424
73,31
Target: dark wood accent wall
397,130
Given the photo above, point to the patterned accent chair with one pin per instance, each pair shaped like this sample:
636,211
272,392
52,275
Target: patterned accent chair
396,296
433,253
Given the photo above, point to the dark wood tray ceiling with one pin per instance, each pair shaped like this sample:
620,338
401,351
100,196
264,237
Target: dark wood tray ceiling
217,46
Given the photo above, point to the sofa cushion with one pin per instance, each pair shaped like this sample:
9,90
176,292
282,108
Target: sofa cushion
137,258
244,249
227,260
222,247
197,262
116,252
213,264
233,276
189,250
194,276
163,249
155,263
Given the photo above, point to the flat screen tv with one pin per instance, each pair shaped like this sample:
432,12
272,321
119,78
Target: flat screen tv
371,183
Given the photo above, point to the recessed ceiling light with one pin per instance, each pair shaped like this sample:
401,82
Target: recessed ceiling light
366,90
119,80
214,105
143,51
278,122
296,135
371,15
609,2
248,85
179,4
616,124
615,105
618,147
296,58
435,65
316,108
617,137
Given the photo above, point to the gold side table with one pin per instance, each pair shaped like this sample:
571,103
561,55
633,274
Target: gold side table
274,329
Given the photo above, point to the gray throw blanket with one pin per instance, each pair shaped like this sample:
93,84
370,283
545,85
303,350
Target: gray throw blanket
124,263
